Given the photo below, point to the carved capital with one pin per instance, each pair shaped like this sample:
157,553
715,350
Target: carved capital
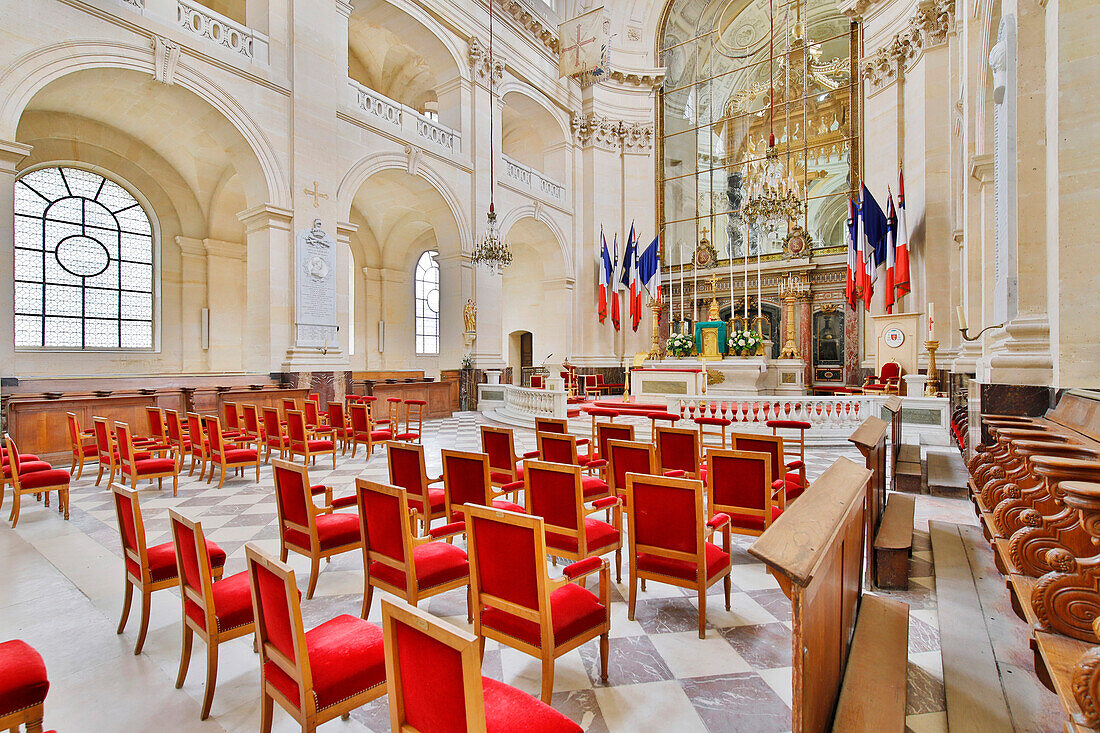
593,129
927,28
478,56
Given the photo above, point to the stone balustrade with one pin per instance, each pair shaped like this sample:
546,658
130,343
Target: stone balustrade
386,113
527,177
526,403
832,419
197,19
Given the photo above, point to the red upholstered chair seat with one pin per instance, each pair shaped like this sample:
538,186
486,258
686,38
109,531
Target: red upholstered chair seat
240,455
498,504
154,465
573,610
504,478
598,534
721,421
380,435
232,603
162,560
789,424
793,479
23,680
437,498
319,445
333,530
749,521
509,709
346,657
24,457
407,436
717,561
52,477
90,450
26,467
436,563
592,486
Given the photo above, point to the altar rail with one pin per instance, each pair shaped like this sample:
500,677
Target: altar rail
830,418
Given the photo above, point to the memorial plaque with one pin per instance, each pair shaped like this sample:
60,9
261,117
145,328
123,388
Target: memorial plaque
315,288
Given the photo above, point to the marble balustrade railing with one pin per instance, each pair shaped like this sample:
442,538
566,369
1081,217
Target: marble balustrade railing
412,125
197,19
528,403
533,179
830,418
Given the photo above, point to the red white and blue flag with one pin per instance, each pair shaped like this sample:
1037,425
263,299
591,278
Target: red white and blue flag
615,285
855,271
874,241
627,280
649,269
901,265
606,271
891,249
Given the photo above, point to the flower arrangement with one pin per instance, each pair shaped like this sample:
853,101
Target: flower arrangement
680,344
744,343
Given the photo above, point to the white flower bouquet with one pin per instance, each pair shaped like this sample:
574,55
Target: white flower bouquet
679,344
744,342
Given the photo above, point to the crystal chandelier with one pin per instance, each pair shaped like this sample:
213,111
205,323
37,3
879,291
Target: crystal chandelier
491,250
773,199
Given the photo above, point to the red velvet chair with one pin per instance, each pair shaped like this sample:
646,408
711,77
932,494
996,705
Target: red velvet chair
739,484
37,480
395,559
371,401
608,431
338,424
794,454
720,424
301,444
231,427
289,403
557,448
595,413
790,483
505,467
668,536
315,532
555,425
414,421
553,491
139,469
215,612
226,454
678,450
157,440
148,569
518,605
314,675
435,681
179,441
466,481
23,687
106,452
252,432
887,381
362,432
82,443
407,470
274,438
28,463
311,414
198,445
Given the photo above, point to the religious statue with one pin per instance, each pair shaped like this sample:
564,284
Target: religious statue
469,315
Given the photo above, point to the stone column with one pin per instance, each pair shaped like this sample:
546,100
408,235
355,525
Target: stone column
398,341
454,276
345,297
225,271
269,253
193,299
11,153
805,335
372,316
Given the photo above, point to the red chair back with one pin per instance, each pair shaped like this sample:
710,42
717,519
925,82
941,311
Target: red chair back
277,610
232,419
678,450
507,558
213,434
536,381
103,443
289,403
557,448
666,514
770,444
309,408
296,429
251,420
890,370
499,445
360,419
465,479
550,425
626,456
336,417
155,417
74,429
13,461
175,430
406,461
273,430
606,431
131,530
293,499
193,566
553,492
197,435
739,481
125,443
383,521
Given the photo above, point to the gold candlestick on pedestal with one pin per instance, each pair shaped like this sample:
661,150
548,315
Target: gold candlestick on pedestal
933,385
656,351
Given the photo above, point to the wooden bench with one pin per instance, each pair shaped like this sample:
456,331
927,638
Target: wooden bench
894,542
816,552
905,465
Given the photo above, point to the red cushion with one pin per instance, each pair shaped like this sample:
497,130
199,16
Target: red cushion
232,603
508,709
155,465
437,498
573,610
90,450
436,563
712,421
333,530
23,680
717,561
592,486
26,467
794,479
380,435
789,424
23,456
240,455
598,534
36,479
748,521
162,561
407,436
508,506
319,445
346,658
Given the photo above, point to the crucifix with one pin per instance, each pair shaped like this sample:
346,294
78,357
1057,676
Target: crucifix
578,46
316,194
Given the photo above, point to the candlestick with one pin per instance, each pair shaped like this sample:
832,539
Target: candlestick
680,252
932,386
758,313
746,314
931,322
961,315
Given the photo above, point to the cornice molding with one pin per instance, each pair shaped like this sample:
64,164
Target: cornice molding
929,27
531,23
643,78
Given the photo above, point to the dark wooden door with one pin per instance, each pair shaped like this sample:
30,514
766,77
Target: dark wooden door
525,358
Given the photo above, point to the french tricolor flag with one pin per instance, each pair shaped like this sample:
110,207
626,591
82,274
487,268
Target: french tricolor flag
901,264
606,269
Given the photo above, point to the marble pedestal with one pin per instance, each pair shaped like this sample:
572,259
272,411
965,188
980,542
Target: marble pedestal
741,377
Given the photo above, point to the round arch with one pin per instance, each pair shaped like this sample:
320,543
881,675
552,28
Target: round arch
537,213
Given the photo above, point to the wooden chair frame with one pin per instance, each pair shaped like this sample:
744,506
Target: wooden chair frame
779,460
199,445
453,510
301,448
273,434
128,464
704,531
311,411
32,718
315,553
288,404
217,457
177,438
414,412
140,556
547,652
612,481
591,467
18,491
555,425
305,710
411,592
591,386
613,503
203,597
252,433
511,470
769,494
232,429
103,435
77,438
722,433
158,441
361,411
338,424
663,430
601,439
426,516
797,454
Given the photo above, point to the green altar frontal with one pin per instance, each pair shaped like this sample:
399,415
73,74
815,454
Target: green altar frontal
711,339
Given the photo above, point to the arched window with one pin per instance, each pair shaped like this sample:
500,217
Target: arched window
427,304
84,272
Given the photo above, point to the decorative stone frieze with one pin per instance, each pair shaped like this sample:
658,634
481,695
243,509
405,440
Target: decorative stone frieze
645,79
478,55
927,28
593,129
531,23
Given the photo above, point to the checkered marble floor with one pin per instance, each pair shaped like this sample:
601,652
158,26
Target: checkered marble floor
662,677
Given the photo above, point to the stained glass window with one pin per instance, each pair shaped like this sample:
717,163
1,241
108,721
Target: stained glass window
84,267
427,304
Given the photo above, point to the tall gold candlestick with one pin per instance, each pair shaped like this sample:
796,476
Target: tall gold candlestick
932,386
